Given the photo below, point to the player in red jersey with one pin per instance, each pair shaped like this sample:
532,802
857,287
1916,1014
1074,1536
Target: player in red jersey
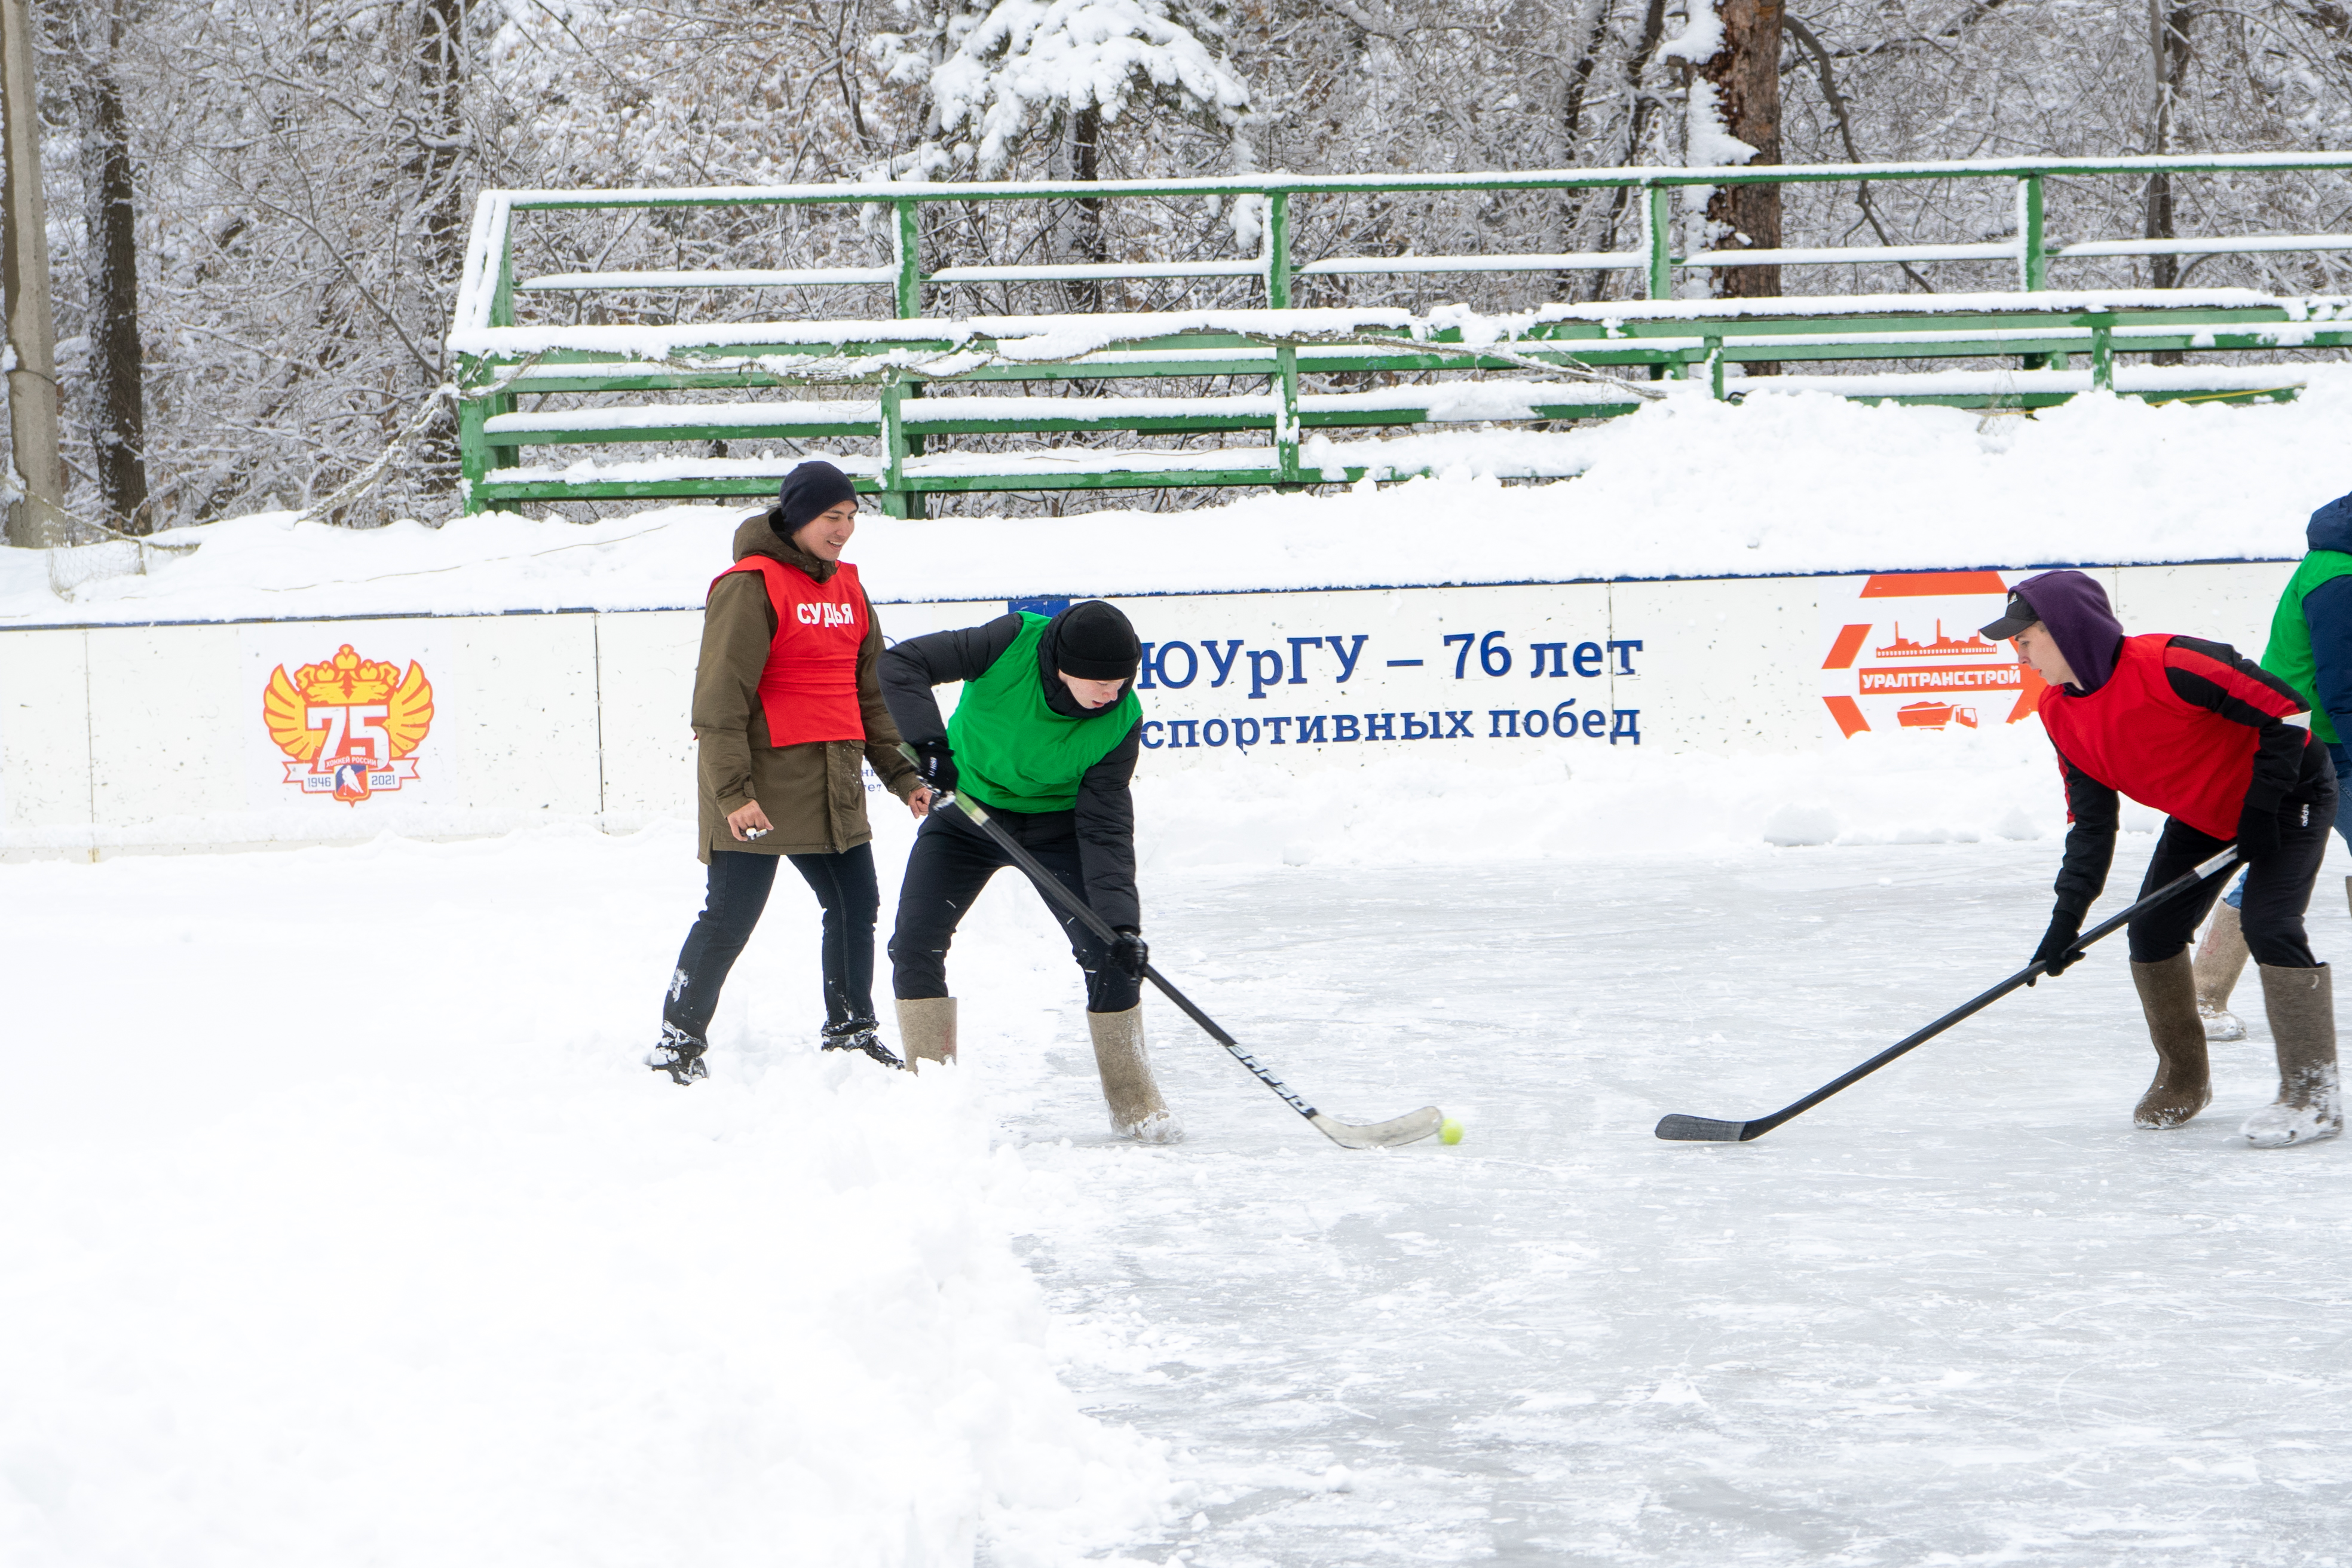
2198,733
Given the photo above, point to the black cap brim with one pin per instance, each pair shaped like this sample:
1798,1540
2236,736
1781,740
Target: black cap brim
2013,620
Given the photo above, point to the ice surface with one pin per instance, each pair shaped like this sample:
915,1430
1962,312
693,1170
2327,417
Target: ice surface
344,1225
1963,1312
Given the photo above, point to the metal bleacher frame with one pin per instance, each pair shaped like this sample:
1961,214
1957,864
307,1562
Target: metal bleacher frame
898,366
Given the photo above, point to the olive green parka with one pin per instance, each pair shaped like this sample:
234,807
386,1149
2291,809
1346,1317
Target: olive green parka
814,793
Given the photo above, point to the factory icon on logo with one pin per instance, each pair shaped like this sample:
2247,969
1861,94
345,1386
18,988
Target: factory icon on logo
350,726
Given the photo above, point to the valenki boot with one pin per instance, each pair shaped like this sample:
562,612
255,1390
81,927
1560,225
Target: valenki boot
2301,1008
2221,959
1137,1110
2184,1085
927,1030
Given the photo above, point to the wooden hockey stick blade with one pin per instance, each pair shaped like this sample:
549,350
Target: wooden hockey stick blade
1680,1129
1411,1127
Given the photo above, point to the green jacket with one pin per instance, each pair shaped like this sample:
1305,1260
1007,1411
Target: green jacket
2289,656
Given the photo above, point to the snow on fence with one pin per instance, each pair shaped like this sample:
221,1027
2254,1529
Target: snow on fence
220,735
638,343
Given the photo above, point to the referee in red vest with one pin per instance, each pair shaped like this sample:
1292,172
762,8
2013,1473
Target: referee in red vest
786,707
2202,734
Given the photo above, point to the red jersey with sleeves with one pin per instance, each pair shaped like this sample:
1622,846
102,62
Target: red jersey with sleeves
2186,726
808,689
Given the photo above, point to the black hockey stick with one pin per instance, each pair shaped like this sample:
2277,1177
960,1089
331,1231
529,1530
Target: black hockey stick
1681,1128
1407,1129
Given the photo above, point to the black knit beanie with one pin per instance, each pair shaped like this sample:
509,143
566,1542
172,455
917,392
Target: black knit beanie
1094,642
809,490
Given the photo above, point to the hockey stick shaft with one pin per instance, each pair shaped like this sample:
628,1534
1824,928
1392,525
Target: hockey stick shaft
2215,870
1050,886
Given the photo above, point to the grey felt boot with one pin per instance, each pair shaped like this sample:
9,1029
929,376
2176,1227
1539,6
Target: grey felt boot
2184,1085
927,1030
2221,959
1137,1110
2301,1008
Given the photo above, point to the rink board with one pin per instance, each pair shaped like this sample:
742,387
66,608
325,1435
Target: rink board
162,737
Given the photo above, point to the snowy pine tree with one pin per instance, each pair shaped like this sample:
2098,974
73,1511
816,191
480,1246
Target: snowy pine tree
1025,76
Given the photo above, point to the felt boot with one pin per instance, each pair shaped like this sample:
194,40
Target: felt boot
927,1030
2221,959
2301,1008
2183,1086
1137,1110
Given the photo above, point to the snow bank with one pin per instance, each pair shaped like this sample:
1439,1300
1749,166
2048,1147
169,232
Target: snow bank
1801,482
432,1278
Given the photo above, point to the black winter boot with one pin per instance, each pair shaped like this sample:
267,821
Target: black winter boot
678,1055
858,1034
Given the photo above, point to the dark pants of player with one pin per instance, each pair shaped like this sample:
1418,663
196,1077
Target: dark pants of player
739,887
2276,893
952,862
2342,761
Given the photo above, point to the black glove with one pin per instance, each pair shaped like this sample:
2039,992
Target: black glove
935,765
2066,925
2258,833
1128,954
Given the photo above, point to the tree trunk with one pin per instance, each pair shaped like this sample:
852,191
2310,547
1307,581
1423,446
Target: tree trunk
35,520
1745,77
440,132
2167,37
1085,163
117,361
441,79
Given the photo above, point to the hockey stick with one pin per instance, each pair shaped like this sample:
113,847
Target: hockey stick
1681,1128
1407,1129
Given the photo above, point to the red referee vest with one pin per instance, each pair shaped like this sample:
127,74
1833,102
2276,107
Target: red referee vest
2135,734
808,689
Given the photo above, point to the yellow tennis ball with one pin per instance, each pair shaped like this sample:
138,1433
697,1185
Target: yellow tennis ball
1451,1132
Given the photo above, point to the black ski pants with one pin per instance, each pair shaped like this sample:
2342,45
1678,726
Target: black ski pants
952,862
2276,893
738,884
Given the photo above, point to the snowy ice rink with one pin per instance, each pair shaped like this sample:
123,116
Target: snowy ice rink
344,1227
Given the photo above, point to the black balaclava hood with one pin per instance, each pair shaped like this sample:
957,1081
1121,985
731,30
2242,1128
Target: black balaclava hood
2075,610
812,487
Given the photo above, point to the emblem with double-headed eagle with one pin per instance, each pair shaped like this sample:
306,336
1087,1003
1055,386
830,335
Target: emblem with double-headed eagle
348,724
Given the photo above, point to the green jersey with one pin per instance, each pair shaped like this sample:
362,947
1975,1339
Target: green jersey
1011,750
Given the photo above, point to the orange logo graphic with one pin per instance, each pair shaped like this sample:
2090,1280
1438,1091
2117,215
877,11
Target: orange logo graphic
1876,674
1942,647
351,725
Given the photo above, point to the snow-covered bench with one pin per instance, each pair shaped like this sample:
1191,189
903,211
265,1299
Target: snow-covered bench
652,401
908,387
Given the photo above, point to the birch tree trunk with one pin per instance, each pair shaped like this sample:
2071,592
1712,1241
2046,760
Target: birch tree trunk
33,519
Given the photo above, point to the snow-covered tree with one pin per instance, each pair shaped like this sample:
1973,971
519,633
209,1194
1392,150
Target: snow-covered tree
1007,79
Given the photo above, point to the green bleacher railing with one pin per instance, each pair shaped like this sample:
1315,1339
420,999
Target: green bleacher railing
900,358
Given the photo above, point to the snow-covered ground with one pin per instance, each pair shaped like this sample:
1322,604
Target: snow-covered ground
1824,485
343,1227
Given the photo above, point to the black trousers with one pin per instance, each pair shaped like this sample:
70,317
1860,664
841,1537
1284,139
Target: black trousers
738,884
950,863
2277,892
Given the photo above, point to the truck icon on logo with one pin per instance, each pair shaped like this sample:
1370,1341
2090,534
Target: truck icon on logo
1934,716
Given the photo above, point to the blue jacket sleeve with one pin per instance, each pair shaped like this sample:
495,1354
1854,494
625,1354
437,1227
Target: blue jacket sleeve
2327,611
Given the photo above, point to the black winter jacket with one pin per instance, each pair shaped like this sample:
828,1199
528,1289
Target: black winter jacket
1105,812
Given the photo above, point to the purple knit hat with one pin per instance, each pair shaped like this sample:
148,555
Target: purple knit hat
2075,610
